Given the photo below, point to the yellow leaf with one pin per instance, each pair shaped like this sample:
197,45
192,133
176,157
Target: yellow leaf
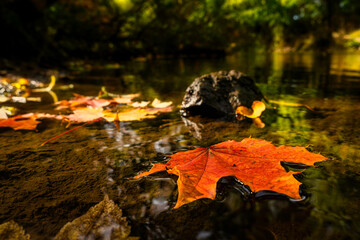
135,114
158,104
85,114
254,112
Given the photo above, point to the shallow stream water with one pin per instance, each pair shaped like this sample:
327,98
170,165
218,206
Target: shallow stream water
43,188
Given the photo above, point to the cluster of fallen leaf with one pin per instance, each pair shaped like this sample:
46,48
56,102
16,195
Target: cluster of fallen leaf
120,107
13,89
85,109
19,89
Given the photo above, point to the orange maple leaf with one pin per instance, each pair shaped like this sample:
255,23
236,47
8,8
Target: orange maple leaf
80,101
255,162
85,115
25,122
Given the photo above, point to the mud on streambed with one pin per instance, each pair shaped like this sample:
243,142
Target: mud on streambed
43,188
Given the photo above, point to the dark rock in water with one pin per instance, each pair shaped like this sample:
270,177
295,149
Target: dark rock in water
219,94
209,131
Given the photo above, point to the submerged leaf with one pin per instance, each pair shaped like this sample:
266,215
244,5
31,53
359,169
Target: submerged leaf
291,104
255,162
103,221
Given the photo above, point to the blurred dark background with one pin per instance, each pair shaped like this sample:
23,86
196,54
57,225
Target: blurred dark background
54,31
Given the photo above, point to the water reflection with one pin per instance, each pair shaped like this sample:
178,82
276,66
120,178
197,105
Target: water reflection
328,74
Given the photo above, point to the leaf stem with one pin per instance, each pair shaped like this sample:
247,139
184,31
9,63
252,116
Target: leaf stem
95,120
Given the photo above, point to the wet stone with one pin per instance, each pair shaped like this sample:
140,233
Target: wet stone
218,94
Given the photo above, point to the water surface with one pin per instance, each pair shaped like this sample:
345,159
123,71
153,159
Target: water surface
43,188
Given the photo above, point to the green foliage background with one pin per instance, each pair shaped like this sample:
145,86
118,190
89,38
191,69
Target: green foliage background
120,29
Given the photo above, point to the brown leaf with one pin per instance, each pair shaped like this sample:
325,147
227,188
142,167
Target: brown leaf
12,231
103,221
